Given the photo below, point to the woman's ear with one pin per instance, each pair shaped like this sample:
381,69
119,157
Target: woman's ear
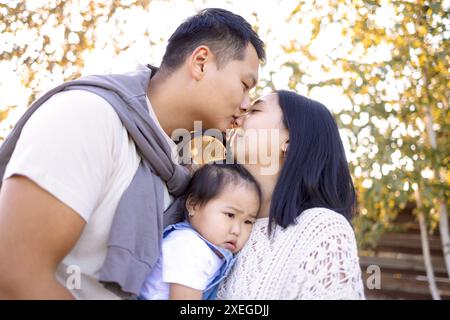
285,146
198,60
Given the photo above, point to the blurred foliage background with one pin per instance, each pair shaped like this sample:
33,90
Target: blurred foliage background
382,67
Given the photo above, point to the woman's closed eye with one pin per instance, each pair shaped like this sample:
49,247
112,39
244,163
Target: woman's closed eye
255,107
246,87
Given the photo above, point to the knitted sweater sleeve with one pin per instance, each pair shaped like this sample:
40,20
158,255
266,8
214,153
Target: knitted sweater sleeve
329,267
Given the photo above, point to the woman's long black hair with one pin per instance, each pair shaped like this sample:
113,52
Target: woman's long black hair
315,172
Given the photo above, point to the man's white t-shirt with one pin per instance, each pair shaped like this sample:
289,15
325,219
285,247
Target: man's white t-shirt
76,148
187,260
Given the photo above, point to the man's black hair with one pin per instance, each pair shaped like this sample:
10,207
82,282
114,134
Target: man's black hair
226,34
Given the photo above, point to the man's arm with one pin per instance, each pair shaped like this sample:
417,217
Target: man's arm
180,292
36,232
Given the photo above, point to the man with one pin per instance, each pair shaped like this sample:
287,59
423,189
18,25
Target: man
75,157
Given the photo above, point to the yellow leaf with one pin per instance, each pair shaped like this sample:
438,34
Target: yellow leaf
4,114
422,30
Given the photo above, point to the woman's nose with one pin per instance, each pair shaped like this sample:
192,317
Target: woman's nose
240,120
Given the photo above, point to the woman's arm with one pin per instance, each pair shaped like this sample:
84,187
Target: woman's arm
180,292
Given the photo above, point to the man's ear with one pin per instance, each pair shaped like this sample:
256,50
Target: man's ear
199,57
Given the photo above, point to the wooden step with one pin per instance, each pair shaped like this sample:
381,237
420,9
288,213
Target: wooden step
405,263
399,256
407,243
401,286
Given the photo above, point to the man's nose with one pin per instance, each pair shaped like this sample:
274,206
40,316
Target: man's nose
245,104
243,109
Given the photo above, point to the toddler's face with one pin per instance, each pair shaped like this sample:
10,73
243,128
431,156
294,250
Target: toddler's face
227,220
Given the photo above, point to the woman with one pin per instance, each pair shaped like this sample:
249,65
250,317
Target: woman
302,245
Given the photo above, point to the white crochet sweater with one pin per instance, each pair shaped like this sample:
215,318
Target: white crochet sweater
316,258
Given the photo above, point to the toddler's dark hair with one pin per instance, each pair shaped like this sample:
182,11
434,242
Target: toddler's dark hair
211,179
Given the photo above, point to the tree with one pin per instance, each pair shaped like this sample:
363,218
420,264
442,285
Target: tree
48,42
393,66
